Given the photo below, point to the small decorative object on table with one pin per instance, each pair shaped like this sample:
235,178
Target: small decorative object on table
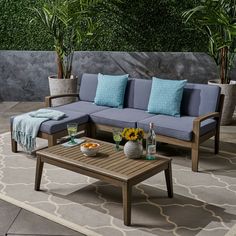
72,130
117,137
151,144
78,141
133,148
90,149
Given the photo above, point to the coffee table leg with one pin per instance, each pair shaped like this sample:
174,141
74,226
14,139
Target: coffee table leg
38,175
127,193
169,183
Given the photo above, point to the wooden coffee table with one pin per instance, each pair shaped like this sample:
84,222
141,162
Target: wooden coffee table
109,166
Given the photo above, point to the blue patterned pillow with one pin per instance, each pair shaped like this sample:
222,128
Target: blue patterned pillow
111,90
166,96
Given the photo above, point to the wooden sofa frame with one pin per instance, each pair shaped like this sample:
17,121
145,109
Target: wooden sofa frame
91,129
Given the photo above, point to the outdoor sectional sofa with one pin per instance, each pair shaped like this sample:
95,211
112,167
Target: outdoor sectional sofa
200,115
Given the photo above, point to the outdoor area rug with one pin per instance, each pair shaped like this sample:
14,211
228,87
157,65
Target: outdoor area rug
204,203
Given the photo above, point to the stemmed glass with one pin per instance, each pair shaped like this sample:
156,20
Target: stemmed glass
117,137
72,130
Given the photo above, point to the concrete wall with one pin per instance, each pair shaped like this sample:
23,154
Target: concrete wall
23,74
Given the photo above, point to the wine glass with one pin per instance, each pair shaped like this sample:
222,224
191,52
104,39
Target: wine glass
117,137
72,130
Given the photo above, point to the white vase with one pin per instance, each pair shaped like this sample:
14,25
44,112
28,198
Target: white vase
62,86
133,149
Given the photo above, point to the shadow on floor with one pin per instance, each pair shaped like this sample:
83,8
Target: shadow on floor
151,208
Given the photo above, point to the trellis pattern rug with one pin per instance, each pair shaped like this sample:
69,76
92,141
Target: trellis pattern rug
204,203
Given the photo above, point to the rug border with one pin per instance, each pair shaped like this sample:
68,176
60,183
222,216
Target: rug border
49,216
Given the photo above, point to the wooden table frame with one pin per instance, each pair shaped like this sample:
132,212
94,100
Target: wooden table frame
126,183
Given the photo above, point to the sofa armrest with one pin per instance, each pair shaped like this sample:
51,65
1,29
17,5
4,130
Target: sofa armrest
207,116
197,121
48,99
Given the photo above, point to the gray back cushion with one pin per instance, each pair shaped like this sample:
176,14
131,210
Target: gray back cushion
138,93
129,94
199,99
88,87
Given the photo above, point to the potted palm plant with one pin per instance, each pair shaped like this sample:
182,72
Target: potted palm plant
70,23
217,20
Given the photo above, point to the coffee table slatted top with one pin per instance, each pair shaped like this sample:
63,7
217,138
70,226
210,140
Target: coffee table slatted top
108,161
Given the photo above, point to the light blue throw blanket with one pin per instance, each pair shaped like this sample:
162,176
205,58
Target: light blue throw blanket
26,126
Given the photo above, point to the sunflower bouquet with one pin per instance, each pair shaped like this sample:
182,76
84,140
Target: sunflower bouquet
133,134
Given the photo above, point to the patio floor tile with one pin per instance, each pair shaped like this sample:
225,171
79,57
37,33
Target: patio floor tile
31,224
8,213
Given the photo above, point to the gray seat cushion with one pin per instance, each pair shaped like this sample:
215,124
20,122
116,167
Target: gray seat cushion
176,127
82,106
52,126
126,117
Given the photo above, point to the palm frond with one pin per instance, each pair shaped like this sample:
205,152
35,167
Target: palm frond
217,20
70,22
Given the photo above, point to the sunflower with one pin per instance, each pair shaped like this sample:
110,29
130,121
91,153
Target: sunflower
131,135
124,132
140,133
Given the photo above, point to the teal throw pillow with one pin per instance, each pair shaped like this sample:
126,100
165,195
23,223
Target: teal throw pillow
166,96
111,90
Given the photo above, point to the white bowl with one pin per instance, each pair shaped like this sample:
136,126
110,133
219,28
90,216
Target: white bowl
90,151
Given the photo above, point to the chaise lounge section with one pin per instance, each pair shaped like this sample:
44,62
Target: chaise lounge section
201,109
